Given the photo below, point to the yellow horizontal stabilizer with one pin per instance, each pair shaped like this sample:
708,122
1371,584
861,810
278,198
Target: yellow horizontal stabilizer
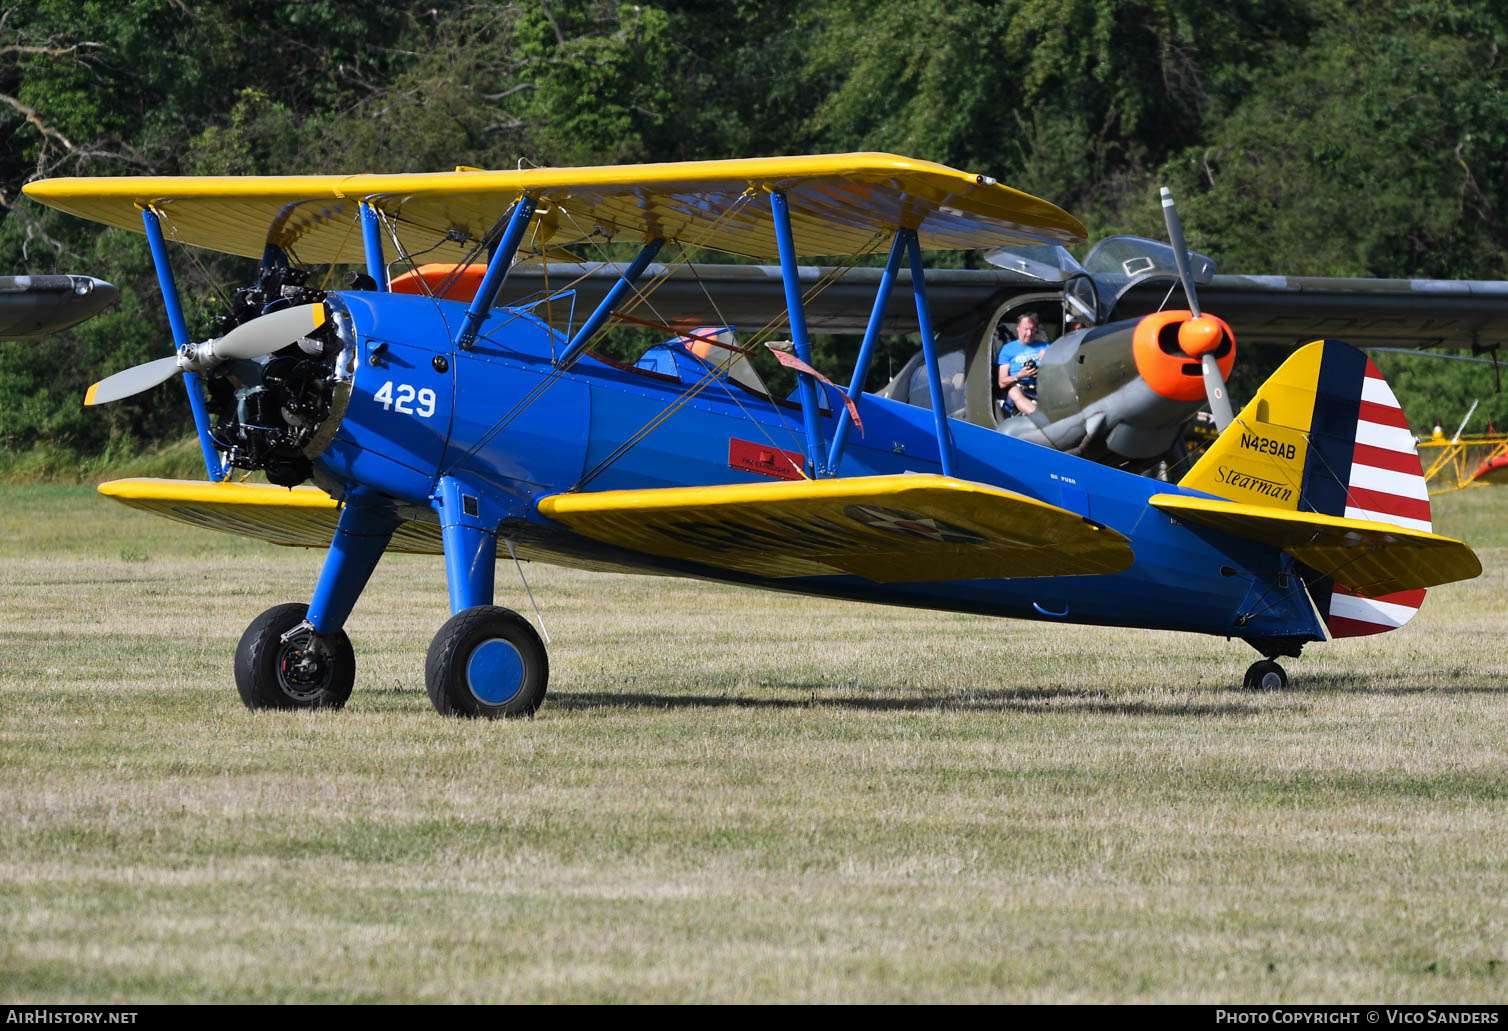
888,529
1370,558
839,204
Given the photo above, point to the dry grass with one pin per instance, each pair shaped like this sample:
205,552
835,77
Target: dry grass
730,796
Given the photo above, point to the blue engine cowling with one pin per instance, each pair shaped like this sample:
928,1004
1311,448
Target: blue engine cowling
407,406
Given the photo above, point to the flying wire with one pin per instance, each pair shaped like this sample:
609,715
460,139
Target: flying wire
715,373
390,223
641,296
558,370
339,250
204,272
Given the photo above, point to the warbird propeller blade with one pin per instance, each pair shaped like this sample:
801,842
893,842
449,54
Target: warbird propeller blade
268,333
132,381
1199,336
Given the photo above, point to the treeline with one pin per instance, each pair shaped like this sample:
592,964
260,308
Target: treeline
1313,137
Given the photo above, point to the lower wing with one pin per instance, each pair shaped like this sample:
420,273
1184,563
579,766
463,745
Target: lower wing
911,528
888,529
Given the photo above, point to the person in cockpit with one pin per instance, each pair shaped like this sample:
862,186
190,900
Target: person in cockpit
1016,366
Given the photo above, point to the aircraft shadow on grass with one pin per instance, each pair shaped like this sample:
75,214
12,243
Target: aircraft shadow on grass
821,696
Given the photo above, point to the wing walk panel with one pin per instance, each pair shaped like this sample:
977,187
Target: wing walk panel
1369,558
887,529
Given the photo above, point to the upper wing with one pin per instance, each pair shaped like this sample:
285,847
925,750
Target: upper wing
838,203
1370,558
911,528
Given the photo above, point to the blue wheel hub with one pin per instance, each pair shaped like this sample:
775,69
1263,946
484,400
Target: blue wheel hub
495,672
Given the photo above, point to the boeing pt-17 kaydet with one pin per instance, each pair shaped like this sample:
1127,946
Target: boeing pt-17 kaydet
465,427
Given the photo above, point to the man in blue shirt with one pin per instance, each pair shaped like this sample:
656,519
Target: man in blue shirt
1017,366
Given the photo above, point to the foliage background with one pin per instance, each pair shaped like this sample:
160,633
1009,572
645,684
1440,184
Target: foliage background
1308,137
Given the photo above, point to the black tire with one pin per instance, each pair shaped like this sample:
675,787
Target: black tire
1260,676
274,675
487,661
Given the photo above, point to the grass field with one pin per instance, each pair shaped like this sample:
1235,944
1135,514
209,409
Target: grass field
731,796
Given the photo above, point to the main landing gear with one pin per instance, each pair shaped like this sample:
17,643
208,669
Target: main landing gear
281,664
486,661
1265,675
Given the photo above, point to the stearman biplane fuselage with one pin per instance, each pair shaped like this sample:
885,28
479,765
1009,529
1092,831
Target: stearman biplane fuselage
473,429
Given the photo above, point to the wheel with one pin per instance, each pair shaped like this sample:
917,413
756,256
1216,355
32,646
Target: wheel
273,675
486,661
1265,675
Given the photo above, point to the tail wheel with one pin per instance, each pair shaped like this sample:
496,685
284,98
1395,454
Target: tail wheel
487,661
1265,675
299,673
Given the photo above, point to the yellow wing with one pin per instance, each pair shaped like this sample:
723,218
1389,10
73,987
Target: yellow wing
889,529
838,202
913,528
303,517
1370,558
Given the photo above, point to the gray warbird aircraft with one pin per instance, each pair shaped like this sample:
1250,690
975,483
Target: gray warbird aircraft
33,306
1118,389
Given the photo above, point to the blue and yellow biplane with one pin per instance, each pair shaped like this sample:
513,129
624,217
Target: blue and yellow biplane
432,424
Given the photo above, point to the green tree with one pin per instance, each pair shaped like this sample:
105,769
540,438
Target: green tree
1379,147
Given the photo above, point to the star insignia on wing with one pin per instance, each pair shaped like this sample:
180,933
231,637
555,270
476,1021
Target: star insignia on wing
910,524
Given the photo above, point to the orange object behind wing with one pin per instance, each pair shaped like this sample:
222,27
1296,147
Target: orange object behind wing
427,279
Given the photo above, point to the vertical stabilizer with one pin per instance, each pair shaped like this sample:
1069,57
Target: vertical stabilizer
1325,434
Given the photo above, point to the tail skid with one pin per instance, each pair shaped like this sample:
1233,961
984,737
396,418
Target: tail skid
1322,463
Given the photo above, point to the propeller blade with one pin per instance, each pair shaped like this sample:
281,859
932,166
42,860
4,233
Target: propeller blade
1214,388
1180,250
132,381
261,336
267,333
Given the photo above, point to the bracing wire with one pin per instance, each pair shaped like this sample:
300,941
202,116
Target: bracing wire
557,371
715,373
212,281
338,251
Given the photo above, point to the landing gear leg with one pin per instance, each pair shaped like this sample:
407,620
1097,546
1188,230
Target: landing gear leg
297,656
485,661
1265,675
